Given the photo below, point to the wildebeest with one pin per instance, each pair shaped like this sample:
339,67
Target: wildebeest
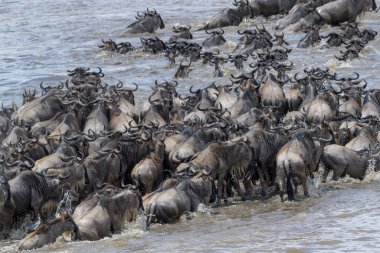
29,191
371,104
268,8
153,45
42,108
183,70
168,205
104,212
265,146
272,94
193,140
149,22
181,32
29,96
104,166
238,60
297,159
344,10
296,13
216,38
279,39
108,45
367,35
344,161
333,40
311,38
148,172
48,233
229,16
221,159
124,47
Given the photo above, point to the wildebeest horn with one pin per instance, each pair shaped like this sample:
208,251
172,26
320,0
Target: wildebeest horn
191,90
146,136
42,87
202,109
326,140
8,164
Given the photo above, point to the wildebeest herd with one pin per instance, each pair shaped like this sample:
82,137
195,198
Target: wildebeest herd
83,158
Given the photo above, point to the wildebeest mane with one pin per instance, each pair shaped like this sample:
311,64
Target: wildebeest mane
305,139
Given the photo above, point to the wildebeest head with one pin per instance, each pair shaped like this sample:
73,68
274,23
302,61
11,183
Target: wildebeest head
279,39
171,53
28,96
311,38
182,31
158,16
244,8
238,60
153,45
216,38
149,21
367,35
350,29
333,39
207,56
124,47
343,136
108,45
183,70
79,140
263,32
82,77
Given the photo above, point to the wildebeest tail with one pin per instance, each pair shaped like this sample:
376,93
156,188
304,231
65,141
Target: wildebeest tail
289,187
150,210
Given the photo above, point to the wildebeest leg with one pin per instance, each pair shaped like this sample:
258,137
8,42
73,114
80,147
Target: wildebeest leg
303,180
295,187
249,187
338,172
116,224
281,186
325,174
220,186
6,222
262,181
213,192
240,188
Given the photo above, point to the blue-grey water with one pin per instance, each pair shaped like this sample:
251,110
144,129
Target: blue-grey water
41,39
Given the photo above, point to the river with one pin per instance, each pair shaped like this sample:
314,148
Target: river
41,39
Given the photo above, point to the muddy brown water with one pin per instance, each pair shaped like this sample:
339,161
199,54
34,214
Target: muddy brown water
41,39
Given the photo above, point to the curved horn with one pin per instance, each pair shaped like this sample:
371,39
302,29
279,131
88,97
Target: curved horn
191,90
